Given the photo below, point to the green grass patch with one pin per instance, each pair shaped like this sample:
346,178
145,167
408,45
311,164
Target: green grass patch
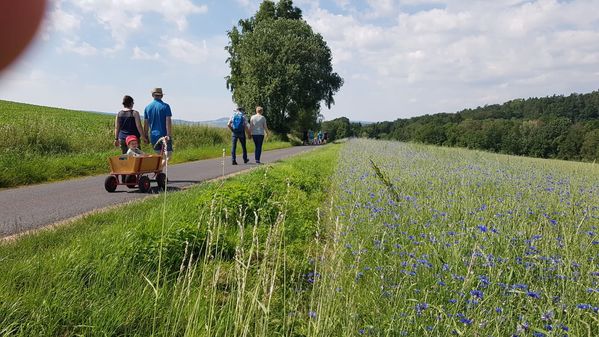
50,144
218,259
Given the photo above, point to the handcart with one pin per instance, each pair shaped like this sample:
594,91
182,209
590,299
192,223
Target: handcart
134,172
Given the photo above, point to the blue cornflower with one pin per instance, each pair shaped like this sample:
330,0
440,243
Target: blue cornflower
482,228
477,293
520,286
534,294
420,307
465,320
312,314
547,316
499,310
583,306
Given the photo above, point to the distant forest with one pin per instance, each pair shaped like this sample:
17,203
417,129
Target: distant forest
561,127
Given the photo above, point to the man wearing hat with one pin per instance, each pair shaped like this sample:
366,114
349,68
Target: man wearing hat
157,119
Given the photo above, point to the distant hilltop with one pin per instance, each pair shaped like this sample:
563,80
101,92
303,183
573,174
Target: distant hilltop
219,123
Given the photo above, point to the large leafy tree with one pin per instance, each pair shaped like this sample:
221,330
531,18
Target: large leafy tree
278,62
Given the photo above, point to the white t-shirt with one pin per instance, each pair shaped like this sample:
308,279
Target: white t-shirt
135,152
258,124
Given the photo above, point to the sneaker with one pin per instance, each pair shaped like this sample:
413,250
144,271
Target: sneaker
234,163
245,161
257,162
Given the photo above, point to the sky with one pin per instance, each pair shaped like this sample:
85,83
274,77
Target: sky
398,58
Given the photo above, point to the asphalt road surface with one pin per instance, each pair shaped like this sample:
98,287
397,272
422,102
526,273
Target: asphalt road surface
31,207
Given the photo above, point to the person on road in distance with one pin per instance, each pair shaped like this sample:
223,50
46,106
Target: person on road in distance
239,127
157,120
259,131
127,123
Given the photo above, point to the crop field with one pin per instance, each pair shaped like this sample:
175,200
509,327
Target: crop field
437,242
49,144
367,238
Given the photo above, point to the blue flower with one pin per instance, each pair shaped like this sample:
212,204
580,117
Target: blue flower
476,293
465,320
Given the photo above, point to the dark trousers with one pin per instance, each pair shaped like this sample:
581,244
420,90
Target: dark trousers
241,138
258,140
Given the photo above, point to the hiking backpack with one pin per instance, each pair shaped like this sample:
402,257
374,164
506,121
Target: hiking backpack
237,122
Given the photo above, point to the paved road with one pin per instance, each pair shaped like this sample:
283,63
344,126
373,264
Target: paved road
31,207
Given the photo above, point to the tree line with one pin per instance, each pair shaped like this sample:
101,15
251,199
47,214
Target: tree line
561,127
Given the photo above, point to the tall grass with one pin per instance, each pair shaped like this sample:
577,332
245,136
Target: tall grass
231,255
432,241
46,144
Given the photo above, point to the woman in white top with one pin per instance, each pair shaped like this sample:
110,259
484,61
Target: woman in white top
259,130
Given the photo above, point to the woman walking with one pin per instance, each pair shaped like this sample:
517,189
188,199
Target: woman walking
127,123
259,130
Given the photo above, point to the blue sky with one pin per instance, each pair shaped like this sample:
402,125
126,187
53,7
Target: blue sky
399,58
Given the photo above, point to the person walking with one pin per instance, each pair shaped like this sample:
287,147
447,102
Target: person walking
259,131
127,123
238,126
157,120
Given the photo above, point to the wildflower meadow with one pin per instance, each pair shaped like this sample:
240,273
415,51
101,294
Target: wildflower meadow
430,241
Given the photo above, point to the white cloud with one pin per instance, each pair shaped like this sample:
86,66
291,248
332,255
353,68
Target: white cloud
382,8
459,52
398,58
63,21
139,54
186,51
125,17
77,47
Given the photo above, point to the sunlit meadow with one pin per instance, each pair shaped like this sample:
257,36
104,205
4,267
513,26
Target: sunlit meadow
428,241
369,238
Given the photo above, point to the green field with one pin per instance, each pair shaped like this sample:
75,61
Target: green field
48,144
365,238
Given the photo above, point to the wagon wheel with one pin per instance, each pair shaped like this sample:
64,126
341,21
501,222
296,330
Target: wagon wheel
161,180
110,183
144,184
130,180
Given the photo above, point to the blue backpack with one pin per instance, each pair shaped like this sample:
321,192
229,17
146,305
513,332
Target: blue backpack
237,122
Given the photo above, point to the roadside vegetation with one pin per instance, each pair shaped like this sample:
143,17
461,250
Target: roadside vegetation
48,144
226,258
371,238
